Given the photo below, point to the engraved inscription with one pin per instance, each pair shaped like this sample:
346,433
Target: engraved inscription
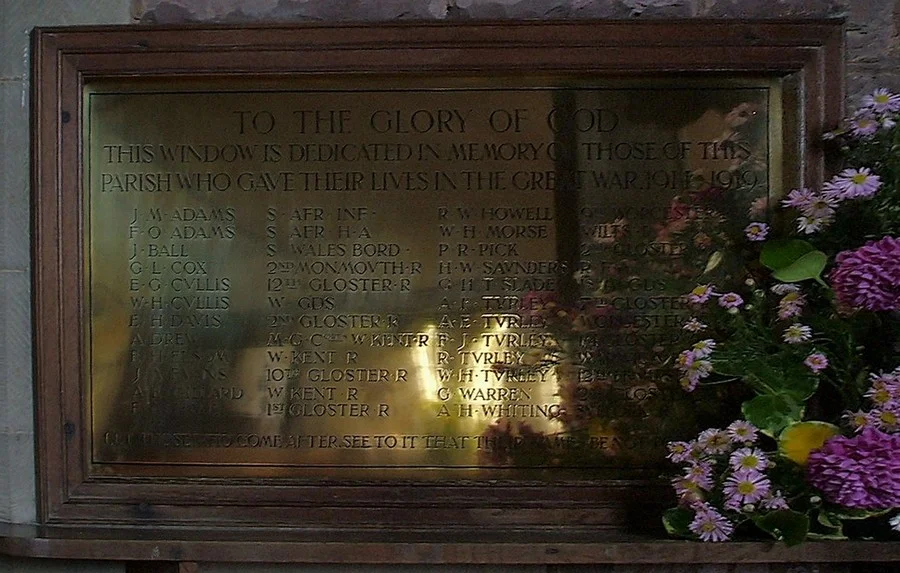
382,277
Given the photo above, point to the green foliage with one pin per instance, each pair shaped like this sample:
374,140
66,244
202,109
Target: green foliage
793,260
781,253
785,525
809,266
771,413
677,520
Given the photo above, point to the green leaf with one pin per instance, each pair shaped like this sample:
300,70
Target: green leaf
677,521
781,253
825,536
771,413
825,519
800,387
713,262
785,525
856,514
809,266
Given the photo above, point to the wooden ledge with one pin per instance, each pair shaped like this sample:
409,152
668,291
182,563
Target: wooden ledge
289,546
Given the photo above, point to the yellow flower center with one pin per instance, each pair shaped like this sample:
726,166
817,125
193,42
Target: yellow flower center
882,98
746,488
750,462
859,178
881,397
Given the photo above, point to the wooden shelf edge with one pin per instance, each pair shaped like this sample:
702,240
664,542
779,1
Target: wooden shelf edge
268,546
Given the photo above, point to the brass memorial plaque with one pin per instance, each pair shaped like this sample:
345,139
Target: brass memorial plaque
430,278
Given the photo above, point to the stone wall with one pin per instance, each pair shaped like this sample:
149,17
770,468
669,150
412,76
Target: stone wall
873,26
873,58
17,490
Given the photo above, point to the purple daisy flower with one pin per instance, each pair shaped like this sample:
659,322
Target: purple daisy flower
880,394
855,184
895,523
860,472
809,225
746,486
714,441
798,198
864,125
756,231
784,288
816,362
869,277
774,502
742,431
700,294
694,325
710,525
858,420
885,419
797,334
689,383
685,359
791,305
686,490
701,474
730,300
819,208
882,101
704,348
679,452
749,459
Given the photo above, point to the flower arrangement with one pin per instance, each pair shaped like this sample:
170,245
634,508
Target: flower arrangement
814,339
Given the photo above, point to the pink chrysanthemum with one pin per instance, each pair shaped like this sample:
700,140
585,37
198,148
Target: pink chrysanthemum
869,277
860,472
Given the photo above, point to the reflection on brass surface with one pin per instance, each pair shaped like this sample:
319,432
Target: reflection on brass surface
391,275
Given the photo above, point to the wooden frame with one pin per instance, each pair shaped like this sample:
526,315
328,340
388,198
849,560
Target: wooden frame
807,54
